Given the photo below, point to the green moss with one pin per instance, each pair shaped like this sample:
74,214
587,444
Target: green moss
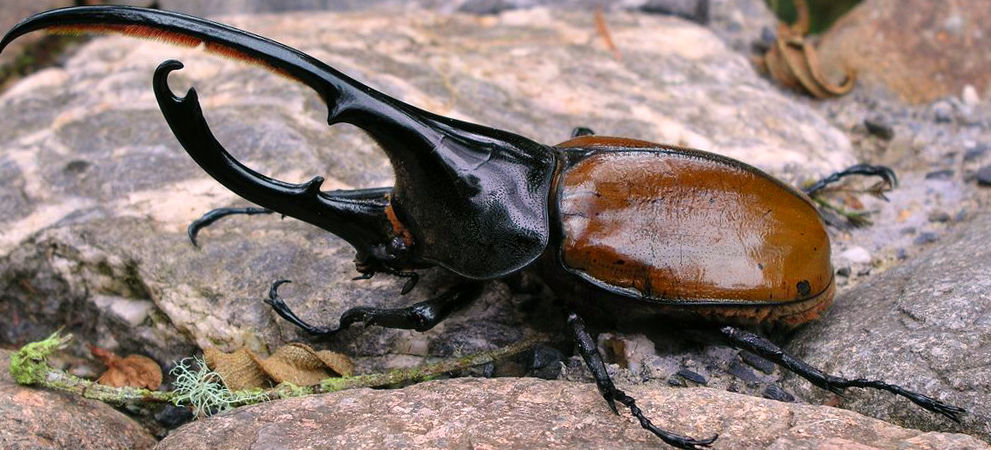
289,390
29,365
822,13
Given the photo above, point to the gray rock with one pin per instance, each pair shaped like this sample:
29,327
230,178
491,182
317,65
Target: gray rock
925,325
942,111
531,413
984,176
99,192
742,24
880,126
36,419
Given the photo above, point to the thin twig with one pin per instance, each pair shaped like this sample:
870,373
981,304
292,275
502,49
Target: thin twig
29,366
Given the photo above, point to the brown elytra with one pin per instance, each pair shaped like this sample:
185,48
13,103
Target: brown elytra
691,233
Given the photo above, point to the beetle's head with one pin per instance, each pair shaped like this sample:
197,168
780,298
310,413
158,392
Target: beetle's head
468,198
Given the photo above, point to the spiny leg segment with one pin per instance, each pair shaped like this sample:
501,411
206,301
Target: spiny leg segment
775,354
420,316
885,173
593,359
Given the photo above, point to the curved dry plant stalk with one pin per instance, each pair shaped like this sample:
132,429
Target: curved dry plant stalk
792,60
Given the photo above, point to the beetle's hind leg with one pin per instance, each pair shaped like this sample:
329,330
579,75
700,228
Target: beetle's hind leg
768,350
593,359
885,173
420,316
214,215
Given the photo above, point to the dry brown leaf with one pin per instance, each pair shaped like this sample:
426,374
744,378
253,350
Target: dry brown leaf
295,363
238,369
132,371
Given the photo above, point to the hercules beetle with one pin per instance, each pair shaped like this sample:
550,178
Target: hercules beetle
624,231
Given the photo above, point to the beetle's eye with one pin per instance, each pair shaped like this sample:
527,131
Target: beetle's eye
396,246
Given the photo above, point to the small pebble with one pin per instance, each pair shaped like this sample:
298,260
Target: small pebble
864,272
908,231
544,356
925,238
939,216
694,377
774,392
942,111
757,362
902,254
737,369
879,125
173,416
969,95
856,255
677,382
975,152
984,176
546,362
77,166
945,174
844,271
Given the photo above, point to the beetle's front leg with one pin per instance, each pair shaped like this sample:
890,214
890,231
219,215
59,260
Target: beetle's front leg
420,316
885,173
593,360
216,214
582,131
773,353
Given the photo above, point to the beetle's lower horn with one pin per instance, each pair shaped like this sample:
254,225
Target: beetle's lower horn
362,221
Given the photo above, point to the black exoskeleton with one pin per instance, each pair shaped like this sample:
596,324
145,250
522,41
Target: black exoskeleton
605,222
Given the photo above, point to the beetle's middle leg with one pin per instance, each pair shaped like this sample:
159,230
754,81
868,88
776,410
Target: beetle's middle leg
419,316
593,359
773,353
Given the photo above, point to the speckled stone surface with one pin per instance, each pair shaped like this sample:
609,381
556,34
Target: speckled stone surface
39,419
925,325
526,413
916,50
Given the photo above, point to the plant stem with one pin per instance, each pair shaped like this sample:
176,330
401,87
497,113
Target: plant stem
29,366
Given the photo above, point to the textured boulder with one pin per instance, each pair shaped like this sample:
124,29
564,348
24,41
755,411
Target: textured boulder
918,50
36,419
97,192
530,413
925,325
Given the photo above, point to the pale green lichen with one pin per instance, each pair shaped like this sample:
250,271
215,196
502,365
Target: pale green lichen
203,389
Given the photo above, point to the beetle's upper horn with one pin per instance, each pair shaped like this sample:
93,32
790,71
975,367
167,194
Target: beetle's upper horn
475,199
